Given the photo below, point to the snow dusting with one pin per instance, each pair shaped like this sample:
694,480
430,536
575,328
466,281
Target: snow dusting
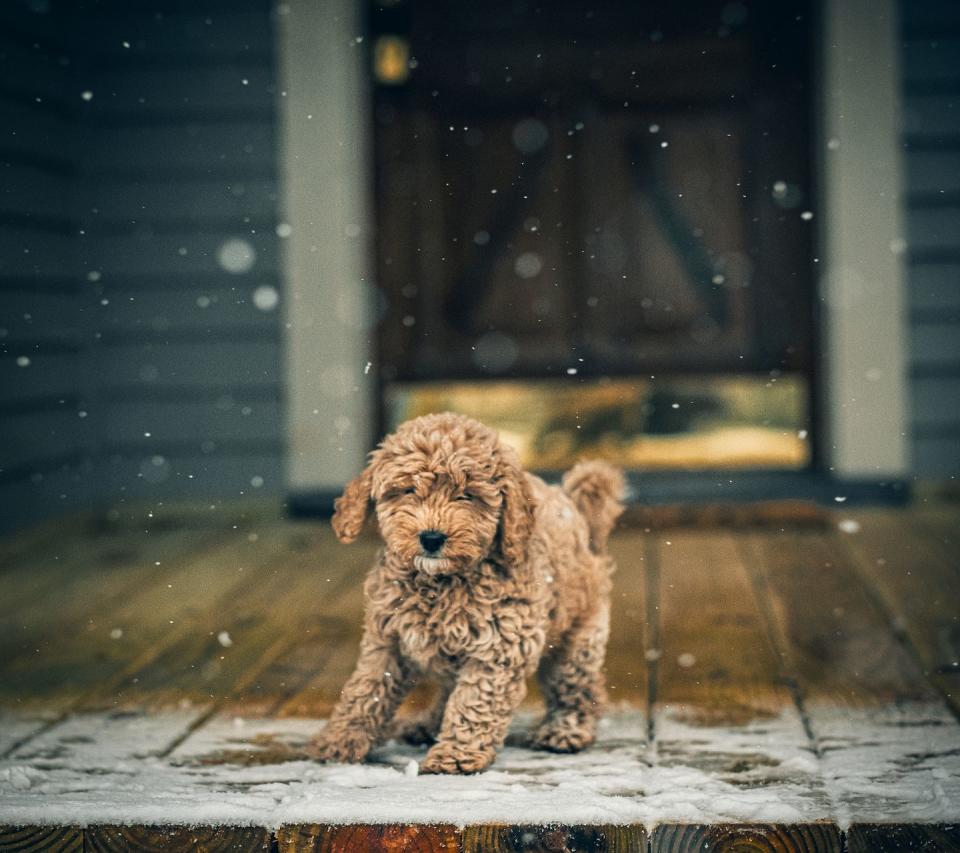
156,769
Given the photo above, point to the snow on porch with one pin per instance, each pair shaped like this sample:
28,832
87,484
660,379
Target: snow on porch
897,764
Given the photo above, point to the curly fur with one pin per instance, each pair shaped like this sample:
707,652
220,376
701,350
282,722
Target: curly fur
522,584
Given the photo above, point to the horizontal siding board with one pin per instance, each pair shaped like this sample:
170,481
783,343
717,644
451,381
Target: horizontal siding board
192,147
935,344
931,58
31,70
25,189
934,286
151,91
928,16
188,477
936,402
932,114
178,254
25,316
154,200
934,228
194,365
34,437
47,376
937,458
933,171
191,309
228,417
48,493
27,128
181,36
24,252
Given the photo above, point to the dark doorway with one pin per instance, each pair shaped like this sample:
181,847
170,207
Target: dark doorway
610,196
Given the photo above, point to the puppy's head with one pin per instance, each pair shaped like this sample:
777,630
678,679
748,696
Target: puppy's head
447,494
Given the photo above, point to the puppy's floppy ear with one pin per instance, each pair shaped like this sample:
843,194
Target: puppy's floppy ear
516,514
350,509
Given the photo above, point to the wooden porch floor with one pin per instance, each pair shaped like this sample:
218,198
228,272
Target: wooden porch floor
775,688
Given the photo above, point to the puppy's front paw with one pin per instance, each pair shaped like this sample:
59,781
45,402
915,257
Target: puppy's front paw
340,747
451,758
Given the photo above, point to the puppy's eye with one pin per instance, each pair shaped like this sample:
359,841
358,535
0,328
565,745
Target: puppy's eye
466,496
410,491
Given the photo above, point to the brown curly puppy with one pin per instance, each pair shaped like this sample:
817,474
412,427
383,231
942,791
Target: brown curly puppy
487,574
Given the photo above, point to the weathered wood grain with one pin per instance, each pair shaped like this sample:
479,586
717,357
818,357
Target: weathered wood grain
716,663
830,632
880,727
23,839
203,839
541,839
283,604
626,663
415,838
70,667
722,707
900,838
747,838
917,580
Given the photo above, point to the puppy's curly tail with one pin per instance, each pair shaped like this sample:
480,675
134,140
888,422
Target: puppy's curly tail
597,490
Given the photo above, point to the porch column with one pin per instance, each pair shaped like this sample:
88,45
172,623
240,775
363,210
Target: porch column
324,98
862,285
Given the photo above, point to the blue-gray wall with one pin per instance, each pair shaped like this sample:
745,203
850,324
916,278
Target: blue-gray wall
931,85
129,199
45,440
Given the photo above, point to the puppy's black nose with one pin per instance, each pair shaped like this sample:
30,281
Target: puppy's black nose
432,540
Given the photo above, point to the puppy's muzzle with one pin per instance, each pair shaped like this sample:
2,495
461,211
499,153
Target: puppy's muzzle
432,541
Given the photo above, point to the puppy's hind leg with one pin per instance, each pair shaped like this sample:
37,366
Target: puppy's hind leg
572,682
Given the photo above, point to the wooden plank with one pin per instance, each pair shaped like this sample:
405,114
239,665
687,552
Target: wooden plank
803,838
626,663
61,839
719,665
898,838
71,667
204,839
917,582
722,709
76,585
889,748
240,638
16,728
100,743
514,839
376,838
